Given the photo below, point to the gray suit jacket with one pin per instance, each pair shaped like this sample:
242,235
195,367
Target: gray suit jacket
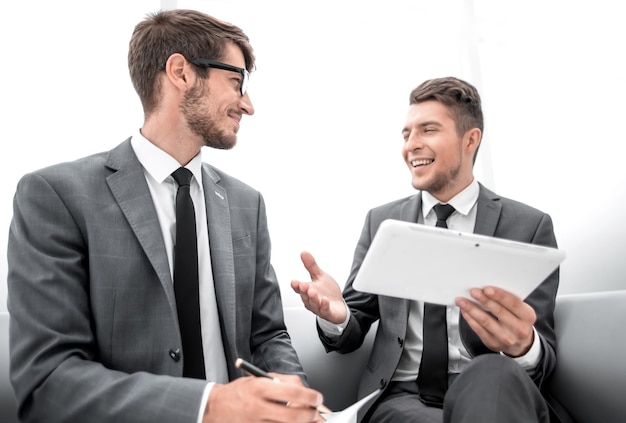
94,332
496,216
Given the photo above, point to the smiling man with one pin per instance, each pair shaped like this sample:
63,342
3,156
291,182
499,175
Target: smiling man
139,275
483,360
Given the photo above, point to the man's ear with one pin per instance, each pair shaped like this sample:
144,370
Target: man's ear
473,138
177,70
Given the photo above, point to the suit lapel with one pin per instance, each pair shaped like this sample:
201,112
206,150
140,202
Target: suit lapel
487,212
130,189
399,308
221,246
410,207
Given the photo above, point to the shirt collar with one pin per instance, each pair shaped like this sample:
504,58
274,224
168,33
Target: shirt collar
158,163
462,202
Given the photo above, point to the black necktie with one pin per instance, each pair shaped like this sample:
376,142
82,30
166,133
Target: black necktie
443,212
186,278
433,374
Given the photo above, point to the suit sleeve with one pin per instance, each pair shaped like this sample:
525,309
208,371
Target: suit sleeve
543,300
270,344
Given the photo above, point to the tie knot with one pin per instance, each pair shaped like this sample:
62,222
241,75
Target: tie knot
443,211
182,176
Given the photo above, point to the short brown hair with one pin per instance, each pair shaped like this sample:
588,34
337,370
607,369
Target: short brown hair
461,98
188,32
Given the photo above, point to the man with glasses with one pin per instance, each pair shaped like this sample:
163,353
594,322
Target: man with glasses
96,258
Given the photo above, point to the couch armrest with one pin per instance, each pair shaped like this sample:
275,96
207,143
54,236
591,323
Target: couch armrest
8,404
590,377
335,375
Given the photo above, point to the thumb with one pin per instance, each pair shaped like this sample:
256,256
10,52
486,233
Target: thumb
311,265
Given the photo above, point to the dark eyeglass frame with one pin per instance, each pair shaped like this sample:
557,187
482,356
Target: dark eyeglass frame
245,75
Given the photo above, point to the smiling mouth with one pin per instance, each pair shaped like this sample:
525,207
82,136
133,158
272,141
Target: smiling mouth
423,162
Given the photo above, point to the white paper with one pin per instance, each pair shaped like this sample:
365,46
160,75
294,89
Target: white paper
349,414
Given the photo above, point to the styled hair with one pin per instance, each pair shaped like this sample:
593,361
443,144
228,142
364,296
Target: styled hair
460,97
188,32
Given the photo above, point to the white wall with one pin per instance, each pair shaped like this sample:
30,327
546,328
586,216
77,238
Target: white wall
331,93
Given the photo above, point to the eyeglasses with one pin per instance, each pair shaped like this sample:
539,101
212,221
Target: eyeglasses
245,75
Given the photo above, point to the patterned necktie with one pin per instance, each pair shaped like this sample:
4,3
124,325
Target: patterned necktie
432,379
186,278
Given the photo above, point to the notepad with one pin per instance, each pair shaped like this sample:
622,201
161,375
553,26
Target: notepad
349,415
430,264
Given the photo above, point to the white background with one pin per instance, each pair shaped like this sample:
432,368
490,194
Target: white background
331,93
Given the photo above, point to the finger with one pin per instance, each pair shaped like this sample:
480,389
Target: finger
488,304
304,290
291,391
296,380
508,333
494,333
311,265
284,378
510,311
280,412
511,302
517,317
514,341
294,412
310,298
299,287
485,336
480,320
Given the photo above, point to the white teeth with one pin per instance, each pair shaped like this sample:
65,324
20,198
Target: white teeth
420,162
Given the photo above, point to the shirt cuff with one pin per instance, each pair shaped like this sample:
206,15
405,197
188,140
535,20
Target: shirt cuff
531,358
332,329
205,399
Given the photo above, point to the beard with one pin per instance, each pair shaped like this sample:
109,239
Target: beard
441,181
200,120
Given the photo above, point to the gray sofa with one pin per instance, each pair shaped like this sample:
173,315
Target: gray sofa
590,379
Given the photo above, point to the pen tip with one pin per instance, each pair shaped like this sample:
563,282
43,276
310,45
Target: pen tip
238,362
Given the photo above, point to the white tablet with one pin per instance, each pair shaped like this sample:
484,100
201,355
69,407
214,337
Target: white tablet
430,264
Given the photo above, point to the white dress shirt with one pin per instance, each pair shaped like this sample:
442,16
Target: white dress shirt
462,220
158,167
